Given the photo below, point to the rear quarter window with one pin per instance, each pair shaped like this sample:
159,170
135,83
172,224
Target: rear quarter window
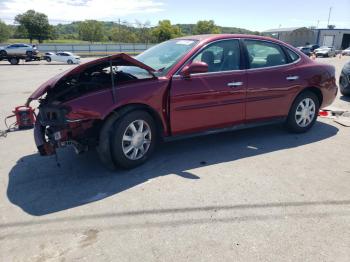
292,55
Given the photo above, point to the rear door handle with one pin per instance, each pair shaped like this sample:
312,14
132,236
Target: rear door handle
292,78
234,84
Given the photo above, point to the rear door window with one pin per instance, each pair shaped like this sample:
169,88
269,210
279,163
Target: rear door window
264,54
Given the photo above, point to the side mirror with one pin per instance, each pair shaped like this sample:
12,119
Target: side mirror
194,68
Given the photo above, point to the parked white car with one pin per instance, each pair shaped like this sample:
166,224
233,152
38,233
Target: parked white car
66,57
346,51
19,49
325,51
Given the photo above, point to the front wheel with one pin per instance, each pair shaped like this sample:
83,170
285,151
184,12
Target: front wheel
3,53
303,113
70,62
133,139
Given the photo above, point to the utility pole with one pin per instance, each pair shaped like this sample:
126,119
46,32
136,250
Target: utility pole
329,16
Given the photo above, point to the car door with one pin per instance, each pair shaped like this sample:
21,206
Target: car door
59,57
273,79
210,100
333,51
11,49
22,49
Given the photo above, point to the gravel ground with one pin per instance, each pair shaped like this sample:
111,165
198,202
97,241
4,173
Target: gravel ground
253,195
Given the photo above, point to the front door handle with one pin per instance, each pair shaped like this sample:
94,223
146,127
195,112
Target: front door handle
234,84
292,78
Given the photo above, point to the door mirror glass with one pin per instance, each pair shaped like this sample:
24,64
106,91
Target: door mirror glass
194,68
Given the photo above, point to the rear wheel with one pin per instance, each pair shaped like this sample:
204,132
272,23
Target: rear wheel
133,139
48,59
14,61
303,113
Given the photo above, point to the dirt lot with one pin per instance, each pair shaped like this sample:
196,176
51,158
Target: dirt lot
255,195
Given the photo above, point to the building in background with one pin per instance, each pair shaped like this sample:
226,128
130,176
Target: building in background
300,36
295,36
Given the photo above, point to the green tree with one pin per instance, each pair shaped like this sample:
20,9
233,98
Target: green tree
165,31
143,31
206,27
122,35
4,32
91,30
34,25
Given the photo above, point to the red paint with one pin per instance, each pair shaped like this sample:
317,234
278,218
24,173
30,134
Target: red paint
204,101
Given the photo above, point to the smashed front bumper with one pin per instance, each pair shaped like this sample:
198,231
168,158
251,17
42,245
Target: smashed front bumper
53,130
49,117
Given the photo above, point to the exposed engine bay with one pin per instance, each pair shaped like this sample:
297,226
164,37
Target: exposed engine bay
93,79
54,129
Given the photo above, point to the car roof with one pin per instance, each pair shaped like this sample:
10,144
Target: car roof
213,37
20,44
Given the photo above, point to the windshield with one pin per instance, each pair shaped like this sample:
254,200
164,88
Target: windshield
161,57
164,56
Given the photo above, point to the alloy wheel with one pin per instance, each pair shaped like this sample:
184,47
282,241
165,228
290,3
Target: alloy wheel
305,112
136,139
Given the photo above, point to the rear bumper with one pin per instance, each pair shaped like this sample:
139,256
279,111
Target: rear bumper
329,95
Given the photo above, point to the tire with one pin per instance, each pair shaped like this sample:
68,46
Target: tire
295,121
104,144
3,53
342,84
143,143
69,62
14,61
48,59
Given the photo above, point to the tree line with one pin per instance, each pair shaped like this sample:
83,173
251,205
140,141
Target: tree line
33,25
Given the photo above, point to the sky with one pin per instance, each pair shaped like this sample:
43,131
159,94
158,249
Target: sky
254,15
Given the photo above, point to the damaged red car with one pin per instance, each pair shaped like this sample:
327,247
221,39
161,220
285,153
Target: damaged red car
183,87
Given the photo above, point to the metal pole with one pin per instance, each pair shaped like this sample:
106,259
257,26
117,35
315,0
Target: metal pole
113,82
329,15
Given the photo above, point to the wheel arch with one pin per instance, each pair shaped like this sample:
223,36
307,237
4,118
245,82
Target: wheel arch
123,110
314,90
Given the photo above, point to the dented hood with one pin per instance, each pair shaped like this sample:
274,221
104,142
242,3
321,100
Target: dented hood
119,59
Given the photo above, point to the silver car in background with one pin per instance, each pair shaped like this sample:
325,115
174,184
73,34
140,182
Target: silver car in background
19,49
346,51
325,51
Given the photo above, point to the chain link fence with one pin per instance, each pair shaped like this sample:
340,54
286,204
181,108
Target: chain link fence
95,49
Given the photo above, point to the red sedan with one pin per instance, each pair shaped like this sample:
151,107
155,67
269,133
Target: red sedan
183,87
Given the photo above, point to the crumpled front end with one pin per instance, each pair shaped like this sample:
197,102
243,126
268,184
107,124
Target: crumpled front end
71,103
53,129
